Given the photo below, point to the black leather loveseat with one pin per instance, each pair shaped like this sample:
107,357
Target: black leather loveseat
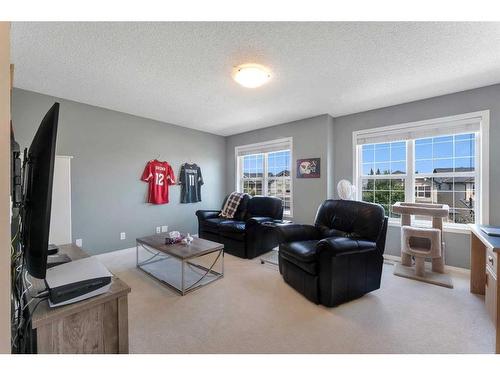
242,236
340,257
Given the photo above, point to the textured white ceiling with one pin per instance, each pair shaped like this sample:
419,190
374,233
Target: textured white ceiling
181,72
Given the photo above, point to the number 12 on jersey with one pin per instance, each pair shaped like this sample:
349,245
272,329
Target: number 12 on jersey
159,177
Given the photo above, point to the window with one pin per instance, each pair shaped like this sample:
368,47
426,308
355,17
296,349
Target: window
265,169
436,161
445,167
423,193
383,174
252,178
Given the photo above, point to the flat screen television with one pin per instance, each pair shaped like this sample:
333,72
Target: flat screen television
38,178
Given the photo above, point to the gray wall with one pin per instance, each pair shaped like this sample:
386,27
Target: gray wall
110,150
457,253
310,139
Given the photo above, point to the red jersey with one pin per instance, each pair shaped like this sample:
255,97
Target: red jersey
159,175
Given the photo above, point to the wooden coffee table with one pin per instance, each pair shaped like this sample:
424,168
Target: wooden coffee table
183,268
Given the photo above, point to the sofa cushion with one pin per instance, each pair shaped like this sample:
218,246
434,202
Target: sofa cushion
232,229
212,225
241,211
231,204
343,245
271,207
232,226
302,254
351,219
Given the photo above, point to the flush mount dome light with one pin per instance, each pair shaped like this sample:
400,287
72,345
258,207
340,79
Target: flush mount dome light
251,75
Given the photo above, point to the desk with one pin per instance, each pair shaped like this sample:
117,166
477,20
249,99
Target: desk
95,325
484,273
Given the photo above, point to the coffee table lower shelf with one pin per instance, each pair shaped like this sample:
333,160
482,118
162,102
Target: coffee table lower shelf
181,275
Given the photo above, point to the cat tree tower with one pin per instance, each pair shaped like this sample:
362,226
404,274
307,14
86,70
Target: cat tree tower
422,243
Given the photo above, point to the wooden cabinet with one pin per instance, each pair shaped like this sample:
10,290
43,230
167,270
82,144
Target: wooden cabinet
490,296
491,260
95,325
484,273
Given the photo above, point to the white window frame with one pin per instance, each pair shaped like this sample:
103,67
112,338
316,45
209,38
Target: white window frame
481,172
263,148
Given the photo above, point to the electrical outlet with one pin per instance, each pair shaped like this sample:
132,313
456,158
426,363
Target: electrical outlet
164,228
122,236
79,242
158,229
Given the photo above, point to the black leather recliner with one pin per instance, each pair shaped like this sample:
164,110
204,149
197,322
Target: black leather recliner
242,236
340,257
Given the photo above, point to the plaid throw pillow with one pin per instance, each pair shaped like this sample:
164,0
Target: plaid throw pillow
232,203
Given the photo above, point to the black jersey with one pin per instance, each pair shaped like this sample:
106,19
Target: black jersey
191,180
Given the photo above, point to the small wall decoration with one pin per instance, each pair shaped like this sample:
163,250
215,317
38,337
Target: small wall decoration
308,168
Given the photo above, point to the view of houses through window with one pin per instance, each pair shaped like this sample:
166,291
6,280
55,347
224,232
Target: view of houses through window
383,166
428,170
268,174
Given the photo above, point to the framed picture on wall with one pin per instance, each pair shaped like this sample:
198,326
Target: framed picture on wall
308,168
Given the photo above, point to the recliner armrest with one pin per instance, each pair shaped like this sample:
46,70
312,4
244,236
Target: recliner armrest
297,232
207,214
336,246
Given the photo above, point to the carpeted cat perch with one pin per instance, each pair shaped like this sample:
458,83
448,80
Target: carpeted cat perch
419,244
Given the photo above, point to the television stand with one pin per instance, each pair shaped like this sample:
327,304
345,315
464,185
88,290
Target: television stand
95,325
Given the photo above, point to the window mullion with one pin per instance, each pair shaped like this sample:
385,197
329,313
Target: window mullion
240,174
477,180
265,176
410,171
359,171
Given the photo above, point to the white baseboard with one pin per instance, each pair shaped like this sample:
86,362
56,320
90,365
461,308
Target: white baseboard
114,251
396,258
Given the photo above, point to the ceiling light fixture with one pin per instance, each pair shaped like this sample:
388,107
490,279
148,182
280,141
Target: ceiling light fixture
251,75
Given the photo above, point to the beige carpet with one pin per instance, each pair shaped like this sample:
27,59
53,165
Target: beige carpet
251,310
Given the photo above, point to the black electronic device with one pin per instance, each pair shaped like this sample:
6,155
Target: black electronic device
38,178
76,281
